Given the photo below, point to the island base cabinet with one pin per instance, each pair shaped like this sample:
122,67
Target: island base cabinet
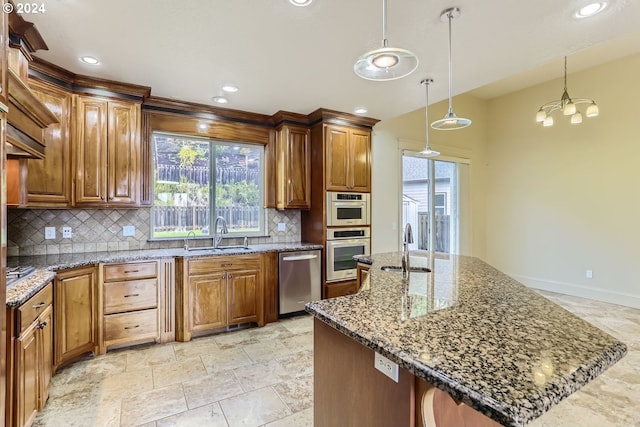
349,391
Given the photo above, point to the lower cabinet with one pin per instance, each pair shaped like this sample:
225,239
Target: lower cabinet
215,292
29,358
76,314
131,303
338,289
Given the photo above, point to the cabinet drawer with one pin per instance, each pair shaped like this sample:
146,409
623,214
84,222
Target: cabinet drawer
31,309
134,326
339,289
129,271
223,263
130,295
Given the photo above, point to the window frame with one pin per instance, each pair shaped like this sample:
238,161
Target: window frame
213,143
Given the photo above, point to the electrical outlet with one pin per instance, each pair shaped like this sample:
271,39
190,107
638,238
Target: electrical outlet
589,274
282,226
66,232
129,231
49,233
386,366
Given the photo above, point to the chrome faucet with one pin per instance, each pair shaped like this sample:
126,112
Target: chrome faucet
217,238
186,239
407,239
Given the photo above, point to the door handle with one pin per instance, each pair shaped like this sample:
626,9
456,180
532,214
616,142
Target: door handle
299,257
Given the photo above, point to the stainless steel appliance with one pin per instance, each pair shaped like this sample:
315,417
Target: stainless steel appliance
299,280
347,209
342,245
17,273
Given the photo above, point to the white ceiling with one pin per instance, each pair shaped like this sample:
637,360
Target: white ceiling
298,59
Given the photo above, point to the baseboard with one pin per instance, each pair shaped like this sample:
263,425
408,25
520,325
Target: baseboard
603,295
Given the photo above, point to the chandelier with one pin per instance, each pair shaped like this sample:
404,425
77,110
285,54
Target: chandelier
567,105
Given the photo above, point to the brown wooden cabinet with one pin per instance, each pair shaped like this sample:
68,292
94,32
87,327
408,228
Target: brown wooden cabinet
76,314
131,303
338,289
49,179
30,358
218,291
293,167
348,159
106,150
363,272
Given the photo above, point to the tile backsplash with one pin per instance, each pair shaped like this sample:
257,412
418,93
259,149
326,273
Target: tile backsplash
97,230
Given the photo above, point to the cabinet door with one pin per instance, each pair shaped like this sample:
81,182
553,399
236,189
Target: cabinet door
91,150
337,155
27,388
359,170
49,179
244,300
208,301
75,311
124,145
294,169
45,358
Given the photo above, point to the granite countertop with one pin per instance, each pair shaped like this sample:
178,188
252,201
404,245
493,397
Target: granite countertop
473,332
47,265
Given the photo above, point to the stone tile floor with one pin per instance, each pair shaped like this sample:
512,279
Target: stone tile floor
264,377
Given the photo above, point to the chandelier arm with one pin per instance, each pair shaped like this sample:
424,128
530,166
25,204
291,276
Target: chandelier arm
450,16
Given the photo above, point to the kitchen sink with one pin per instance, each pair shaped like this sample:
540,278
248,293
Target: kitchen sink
238,248
398,269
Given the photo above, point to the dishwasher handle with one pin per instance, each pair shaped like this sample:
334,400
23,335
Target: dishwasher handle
299,257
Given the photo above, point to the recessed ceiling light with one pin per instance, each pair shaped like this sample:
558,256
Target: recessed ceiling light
89,60
220,99
591,9
360,110
300,2
230,88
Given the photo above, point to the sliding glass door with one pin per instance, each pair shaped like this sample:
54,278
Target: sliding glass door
430,201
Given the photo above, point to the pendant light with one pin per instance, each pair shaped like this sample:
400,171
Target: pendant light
567,105
450,121
427,152
385,63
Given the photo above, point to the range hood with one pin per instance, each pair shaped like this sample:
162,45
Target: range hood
27,118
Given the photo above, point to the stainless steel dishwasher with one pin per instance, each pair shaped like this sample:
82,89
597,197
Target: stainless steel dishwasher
298,279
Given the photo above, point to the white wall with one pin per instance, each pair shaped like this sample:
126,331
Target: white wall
546,203
565,199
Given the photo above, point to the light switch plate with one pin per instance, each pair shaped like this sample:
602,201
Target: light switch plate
49,233
66,232
386,366
129,231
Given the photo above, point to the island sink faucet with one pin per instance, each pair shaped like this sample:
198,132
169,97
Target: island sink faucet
217,238
407,239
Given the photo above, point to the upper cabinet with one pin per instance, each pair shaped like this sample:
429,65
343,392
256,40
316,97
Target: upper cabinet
348,159
293,168
106,147
49,179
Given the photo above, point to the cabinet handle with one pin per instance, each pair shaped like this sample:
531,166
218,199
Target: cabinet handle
101,197
131,271
42,304
111,198
132,295
230,276
42,325
224,276
132,327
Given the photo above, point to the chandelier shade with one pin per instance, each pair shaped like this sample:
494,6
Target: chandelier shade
450,121
385,63
568,106
428,151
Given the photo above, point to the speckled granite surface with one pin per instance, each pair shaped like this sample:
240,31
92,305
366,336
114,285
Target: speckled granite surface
46,265
475,333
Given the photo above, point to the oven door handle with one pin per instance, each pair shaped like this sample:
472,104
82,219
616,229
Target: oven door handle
349,204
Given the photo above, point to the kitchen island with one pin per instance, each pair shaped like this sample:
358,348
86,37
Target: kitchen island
465,329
